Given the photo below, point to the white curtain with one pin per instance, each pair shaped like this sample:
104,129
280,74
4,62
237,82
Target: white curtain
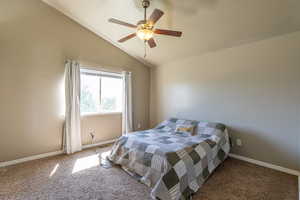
72,135
127,103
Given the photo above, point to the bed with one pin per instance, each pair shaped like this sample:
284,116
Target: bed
174,164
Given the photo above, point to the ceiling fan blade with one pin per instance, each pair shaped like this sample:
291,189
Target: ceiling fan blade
168,32
127,37
156,15
151,43
116,21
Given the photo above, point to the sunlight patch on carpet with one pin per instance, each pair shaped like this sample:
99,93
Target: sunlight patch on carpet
86,163
53,170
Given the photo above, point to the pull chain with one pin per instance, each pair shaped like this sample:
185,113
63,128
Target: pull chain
145,4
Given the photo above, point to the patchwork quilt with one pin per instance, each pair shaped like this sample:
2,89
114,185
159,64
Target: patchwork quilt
174,164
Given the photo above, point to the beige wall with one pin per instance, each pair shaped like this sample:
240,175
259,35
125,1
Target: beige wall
253,88
35,40
105,127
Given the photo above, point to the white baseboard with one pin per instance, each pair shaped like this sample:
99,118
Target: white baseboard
271,166
264,164
29,158
98,144
45,155
299,187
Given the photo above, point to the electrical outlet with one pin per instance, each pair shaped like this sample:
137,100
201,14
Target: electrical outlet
239,142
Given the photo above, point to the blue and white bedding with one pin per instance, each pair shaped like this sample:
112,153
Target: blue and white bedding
173,164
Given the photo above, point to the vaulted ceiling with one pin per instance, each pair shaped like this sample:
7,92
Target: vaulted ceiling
207,25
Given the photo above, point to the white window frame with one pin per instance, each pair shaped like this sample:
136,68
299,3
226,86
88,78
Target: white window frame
100,73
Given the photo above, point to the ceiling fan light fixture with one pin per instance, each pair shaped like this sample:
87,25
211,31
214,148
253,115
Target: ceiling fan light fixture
145,32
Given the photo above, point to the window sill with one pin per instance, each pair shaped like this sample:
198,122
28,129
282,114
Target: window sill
100,114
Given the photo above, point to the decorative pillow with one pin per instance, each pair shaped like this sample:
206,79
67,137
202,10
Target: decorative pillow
185,128
171,124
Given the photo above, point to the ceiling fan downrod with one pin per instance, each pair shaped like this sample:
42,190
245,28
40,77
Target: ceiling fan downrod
146,4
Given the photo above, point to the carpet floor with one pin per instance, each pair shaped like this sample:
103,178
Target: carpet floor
80,176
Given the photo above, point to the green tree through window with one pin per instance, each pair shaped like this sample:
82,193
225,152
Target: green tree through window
100,93
87,104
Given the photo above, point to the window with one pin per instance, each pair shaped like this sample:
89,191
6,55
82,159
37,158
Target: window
101,92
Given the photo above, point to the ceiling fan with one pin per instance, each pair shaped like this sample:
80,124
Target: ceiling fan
145,28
